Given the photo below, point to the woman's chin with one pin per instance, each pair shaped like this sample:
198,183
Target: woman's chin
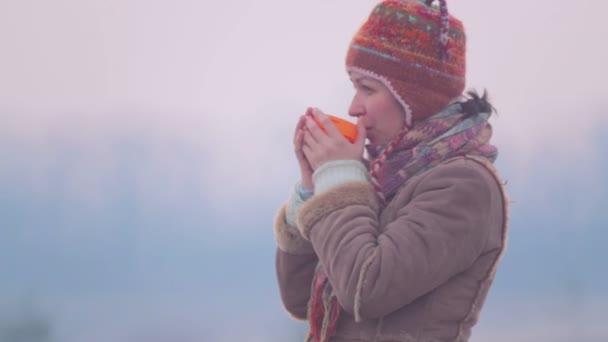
371,138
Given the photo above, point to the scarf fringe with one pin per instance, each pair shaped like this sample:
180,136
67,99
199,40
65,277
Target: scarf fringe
323,309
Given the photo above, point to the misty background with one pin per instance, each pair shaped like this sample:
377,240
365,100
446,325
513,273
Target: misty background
145,147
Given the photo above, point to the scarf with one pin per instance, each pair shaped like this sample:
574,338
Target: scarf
445,135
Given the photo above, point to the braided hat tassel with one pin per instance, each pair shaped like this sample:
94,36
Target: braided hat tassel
444,37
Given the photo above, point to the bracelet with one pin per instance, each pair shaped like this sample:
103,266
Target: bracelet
305,193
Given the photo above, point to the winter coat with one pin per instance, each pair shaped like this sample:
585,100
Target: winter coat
417,269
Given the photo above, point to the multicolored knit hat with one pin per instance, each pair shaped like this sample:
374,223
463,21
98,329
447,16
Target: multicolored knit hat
417,50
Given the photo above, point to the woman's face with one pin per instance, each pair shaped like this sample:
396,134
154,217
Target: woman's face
374,105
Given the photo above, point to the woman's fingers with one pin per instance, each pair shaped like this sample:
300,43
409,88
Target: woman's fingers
308,153
319,145
329,126
297,141
309,140
315,131
299,126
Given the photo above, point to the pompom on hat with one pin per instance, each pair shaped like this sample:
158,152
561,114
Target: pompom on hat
417,50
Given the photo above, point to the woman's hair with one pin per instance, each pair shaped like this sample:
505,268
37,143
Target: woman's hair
475,104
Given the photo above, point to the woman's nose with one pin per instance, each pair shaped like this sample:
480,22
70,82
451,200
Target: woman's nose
355,109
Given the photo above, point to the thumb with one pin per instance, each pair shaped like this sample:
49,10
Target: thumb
361,134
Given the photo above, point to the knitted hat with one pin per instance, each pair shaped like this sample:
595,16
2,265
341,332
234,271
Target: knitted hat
417,50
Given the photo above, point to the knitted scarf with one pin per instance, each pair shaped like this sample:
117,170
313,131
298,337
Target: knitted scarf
447,134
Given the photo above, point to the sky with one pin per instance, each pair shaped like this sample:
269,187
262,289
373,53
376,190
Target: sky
146,145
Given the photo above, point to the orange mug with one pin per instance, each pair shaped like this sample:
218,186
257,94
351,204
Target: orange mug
347,128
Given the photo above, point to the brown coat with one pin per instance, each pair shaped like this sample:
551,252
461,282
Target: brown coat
418,270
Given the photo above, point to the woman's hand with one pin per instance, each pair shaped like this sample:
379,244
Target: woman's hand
298,142
320,147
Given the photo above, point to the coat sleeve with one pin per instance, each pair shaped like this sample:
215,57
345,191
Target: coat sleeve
439,232
295,266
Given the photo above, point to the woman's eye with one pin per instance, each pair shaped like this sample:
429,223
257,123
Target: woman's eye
364,88
367,89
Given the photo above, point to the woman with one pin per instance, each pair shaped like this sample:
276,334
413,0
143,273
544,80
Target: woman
402,245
